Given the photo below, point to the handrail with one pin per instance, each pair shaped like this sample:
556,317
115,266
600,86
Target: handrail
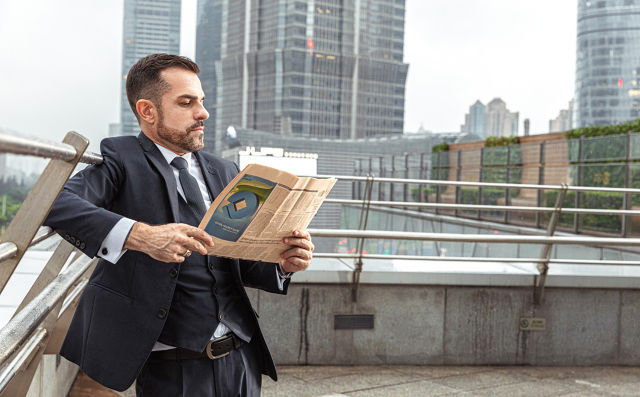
577,262
474,238
486,207
40,148
481,184
9,250
15,333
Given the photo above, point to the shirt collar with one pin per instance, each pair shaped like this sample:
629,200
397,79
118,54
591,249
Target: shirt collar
169,155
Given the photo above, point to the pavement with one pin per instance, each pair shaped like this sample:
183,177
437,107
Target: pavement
407,380
402,380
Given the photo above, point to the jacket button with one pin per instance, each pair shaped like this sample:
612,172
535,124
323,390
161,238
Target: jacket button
173,273
220,316
162,314
105,251
72,240
77,243
82,246
210,266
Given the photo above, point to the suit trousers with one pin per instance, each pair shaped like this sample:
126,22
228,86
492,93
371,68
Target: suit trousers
234,375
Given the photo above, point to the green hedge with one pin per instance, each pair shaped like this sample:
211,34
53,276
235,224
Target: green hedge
601,200
593,131
441,147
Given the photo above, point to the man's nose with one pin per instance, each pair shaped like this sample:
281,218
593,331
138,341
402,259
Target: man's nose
201,113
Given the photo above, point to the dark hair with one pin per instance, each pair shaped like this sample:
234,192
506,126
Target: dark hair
144,81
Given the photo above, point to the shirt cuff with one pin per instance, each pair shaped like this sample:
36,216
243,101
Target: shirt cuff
282,276
112,247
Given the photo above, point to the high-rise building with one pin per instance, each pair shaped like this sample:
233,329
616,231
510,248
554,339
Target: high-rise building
150,26
208,49
499,121
474,121
607,89
563,121
321,68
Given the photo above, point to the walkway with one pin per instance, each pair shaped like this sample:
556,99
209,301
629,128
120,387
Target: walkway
402,381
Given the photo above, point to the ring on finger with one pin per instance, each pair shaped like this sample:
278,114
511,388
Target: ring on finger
187,253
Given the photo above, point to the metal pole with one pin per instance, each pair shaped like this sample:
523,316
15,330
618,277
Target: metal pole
540,180
578,197
543,267
626,200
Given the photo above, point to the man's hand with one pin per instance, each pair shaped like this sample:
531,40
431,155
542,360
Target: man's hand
299,255
168,243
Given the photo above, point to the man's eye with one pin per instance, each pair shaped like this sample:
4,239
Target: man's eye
185,103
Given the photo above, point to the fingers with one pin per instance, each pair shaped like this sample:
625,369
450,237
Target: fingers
299,242
302,234
191,244
294,264
203,237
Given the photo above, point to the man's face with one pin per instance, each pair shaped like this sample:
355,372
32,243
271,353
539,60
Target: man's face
181,113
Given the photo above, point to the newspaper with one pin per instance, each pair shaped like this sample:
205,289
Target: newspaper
258,208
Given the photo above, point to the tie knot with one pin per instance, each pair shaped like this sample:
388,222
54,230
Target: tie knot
179,163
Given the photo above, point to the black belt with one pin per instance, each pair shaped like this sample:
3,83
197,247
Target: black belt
216,348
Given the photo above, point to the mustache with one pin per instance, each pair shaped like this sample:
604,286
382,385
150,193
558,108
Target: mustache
195,125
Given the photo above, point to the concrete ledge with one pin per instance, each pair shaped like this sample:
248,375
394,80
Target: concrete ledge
451,325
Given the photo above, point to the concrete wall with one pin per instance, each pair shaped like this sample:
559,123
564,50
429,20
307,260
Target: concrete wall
452,325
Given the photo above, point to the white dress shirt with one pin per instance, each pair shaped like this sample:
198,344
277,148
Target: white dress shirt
113,244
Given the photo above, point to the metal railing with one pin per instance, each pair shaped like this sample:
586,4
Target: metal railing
46,310
29,334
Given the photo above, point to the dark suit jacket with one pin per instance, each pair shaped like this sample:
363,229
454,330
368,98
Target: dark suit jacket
123,308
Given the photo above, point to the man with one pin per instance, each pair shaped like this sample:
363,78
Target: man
157,308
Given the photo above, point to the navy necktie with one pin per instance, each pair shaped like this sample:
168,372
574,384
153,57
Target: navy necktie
190,187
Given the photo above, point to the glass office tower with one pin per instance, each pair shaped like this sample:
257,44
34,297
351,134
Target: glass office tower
150,26
320,68
607,62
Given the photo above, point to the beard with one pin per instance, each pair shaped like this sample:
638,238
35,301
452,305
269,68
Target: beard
187,140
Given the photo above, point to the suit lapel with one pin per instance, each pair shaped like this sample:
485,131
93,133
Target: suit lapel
160,163
211,176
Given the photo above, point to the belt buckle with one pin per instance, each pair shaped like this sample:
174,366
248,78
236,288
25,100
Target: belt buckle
209,348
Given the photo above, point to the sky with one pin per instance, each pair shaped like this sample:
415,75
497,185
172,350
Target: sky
60,62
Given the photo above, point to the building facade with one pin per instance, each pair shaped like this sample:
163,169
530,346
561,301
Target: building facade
149,26
564,120
607,89
317,68
499,121
474,121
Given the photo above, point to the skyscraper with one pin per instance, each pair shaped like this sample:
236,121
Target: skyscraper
563,121
607,62
150,26
322,68
499,121
208,41
474,121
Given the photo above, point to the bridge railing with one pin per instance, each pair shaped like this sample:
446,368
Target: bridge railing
42,318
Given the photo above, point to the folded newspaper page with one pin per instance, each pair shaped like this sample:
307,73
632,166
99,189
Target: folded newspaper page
258,208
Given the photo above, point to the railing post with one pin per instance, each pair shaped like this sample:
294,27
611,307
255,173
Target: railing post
421,195
438,194
507,192
580,182
540,195
480,179
545,255
458,177
36,206
393,175
382,174
626,200
406,176
364,217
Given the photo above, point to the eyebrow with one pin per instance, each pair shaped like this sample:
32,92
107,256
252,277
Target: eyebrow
187,96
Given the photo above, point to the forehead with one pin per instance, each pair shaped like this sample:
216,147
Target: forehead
182,82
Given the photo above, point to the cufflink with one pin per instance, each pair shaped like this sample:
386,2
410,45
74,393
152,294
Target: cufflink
282,273
105,251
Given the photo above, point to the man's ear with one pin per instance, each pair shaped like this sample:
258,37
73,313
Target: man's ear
147,111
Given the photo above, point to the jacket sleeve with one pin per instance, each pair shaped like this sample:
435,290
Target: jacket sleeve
81,213
262,275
